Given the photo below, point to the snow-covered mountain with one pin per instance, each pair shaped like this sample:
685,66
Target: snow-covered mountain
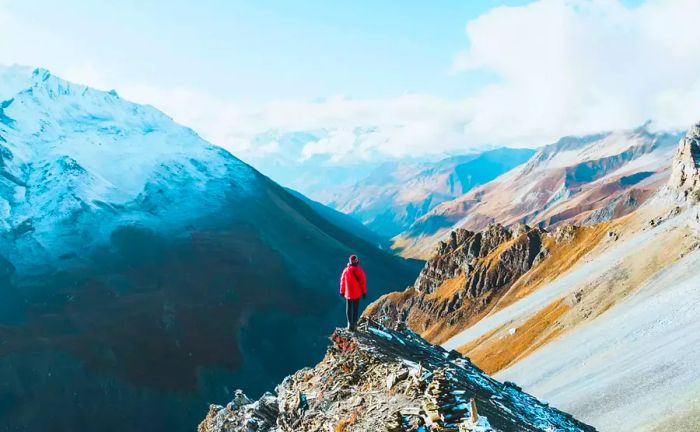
582,180
141,266
71,153
395,194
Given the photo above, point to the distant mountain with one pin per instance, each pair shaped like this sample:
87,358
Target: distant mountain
396,194
577,179
141,267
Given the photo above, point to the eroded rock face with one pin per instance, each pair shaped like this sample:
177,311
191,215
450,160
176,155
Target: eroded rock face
380,379
463,277
461,253
685,177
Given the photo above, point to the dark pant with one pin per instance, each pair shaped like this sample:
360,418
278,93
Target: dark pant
351,310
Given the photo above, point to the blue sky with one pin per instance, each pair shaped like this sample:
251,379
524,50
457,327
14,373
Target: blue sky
262,50
380,78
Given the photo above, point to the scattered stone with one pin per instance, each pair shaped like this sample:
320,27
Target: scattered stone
378,379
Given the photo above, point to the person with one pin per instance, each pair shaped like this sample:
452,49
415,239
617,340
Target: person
353,285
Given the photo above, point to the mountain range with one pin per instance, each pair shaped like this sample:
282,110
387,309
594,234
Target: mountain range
597,319
581,180
142,267
396,194
145,273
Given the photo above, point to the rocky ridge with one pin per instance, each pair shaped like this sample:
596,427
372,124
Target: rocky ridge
685,175
380,379
465,277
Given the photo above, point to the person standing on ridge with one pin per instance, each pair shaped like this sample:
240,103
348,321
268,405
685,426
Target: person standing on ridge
353,285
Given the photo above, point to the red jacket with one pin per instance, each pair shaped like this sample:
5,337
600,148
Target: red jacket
353,283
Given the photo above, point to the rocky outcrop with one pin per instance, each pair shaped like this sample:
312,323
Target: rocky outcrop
465,252
455,255
244,413
380,379
464,277
685,177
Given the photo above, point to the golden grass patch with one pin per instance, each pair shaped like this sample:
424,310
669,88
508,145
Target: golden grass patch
493,353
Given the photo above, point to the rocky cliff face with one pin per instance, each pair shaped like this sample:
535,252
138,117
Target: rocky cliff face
464,278
389,380
685,176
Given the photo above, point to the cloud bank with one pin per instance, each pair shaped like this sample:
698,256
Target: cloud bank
562,66
570,67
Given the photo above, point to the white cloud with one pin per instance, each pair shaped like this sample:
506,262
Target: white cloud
578,66
407,125
564,67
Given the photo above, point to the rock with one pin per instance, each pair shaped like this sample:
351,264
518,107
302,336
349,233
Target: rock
685,173
477,266
564,233
431,390
211,422
519,229
390,380
239,400
242,414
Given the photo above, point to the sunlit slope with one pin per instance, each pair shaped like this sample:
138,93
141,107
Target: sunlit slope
579,180
615,336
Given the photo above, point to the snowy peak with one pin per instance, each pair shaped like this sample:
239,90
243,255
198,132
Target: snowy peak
14,79
117,141
574,150
685,176
125,236
67,151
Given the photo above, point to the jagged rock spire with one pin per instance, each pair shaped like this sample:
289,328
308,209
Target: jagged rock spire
685,176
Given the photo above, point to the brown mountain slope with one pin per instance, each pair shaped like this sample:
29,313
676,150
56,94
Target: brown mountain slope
471,273
580,180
